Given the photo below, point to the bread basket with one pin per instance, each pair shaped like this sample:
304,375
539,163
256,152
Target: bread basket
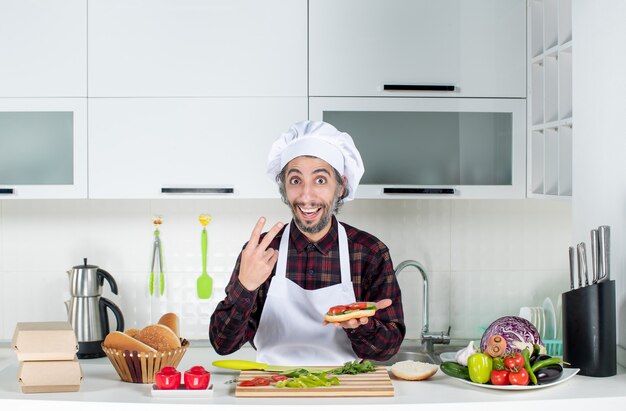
140,367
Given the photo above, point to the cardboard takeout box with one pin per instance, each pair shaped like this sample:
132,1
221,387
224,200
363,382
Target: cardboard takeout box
44,341
49,376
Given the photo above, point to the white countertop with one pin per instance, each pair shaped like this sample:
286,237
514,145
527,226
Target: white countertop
102,388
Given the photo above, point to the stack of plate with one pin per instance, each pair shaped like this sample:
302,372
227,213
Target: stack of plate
543,318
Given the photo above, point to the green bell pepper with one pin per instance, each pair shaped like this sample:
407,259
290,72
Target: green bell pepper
479,366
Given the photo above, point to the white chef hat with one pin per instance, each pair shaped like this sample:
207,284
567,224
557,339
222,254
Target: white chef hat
321,140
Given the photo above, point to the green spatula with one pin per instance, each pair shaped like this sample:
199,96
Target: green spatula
204,284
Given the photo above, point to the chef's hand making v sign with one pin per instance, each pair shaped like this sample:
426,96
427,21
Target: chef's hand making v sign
257,259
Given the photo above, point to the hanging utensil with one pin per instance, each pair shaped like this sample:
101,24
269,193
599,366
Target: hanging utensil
157,254
204,285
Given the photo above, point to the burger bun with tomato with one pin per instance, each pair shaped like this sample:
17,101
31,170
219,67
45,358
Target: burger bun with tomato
341,313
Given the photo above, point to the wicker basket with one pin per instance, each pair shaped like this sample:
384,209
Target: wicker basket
140,367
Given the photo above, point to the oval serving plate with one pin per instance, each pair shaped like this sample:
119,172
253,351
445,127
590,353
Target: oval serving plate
567,374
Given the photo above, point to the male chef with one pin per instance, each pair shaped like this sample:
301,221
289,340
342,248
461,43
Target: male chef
286,279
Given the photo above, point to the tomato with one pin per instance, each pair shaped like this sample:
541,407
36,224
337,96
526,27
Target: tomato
479,366
357,306
279,378
261,381
499,377
514,362
338,309
247,383
519,378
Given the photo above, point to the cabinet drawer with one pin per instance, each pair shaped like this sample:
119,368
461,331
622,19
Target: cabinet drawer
176,148
358,46
185,48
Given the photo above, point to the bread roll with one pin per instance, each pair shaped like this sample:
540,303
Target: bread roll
413,370
345,317
121,341
132,332
159,337
170,320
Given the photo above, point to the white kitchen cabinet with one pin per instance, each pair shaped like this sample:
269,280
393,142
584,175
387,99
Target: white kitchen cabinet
433,147
550,122
188,147
43,148
197,48
43,48
478,47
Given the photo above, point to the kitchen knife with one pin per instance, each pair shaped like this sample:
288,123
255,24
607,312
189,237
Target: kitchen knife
242,365
579,250
572,263
582,263
594,256
604,252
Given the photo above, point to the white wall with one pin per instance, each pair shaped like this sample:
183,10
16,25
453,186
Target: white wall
599,105
485,258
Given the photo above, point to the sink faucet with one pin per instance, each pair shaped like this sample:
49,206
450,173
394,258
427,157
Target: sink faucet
428,338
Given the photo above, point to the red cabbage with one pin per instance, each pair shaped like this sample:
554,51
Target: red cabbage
513,329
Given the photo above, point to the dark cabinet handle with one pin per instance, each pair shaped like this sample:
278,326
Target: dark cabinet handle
394,190
197,190
6,191
419,87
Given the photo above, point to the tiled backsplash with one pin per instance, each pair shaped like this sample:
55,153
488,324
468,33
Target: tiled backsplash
484,258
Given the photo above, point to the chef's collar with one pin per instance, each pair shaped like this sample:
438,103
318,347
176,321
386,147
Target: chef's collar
324,245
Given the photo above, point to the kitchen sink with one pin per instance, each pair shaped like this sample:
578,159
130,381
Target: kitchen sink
412,350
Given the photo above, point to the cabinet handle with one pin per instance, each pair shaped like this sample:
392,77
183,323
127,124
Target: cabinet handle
393,190
419,87
6,191
197,190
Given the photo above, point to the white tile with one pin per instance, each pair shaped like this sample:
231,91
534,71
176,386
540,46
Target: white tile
41,240
480,297
510,234
411,229
32,296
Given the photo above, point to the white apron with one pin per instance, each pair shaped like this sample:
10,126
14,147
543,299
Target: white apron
290,330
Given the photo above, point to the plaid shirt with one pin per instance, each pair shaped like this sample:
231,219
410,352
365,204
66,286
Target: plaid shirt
313,266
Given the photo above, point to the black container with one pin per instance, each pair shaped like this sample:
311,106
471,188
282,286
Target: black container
589,335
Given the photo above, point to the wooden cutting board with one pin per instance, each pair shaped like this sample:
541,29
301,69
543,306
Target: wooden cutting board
371,384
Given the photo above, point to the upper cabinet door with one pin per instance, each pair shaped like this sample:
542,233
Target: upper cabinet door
191,48
43,48
477,47
43,148
186,147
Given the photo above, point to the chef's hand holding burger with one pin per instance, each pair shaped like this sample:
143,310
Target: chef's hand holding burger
355,314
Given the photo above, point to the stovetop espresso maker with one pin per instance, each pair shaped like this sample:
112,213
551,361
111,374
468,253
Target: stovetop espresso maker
87,309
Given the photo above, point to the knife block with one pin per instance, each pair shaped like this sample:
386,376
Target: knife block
589,335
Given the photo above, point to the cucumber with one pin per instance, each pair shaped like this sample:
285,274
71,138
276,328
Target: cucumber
454,369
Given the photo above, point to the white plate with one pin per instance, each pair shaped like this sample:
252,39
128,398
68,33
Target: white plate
181,392
567,374
448,356
548,308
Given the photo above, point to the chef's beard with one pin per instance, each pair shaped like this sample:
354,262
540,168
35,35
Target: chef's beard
327,213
